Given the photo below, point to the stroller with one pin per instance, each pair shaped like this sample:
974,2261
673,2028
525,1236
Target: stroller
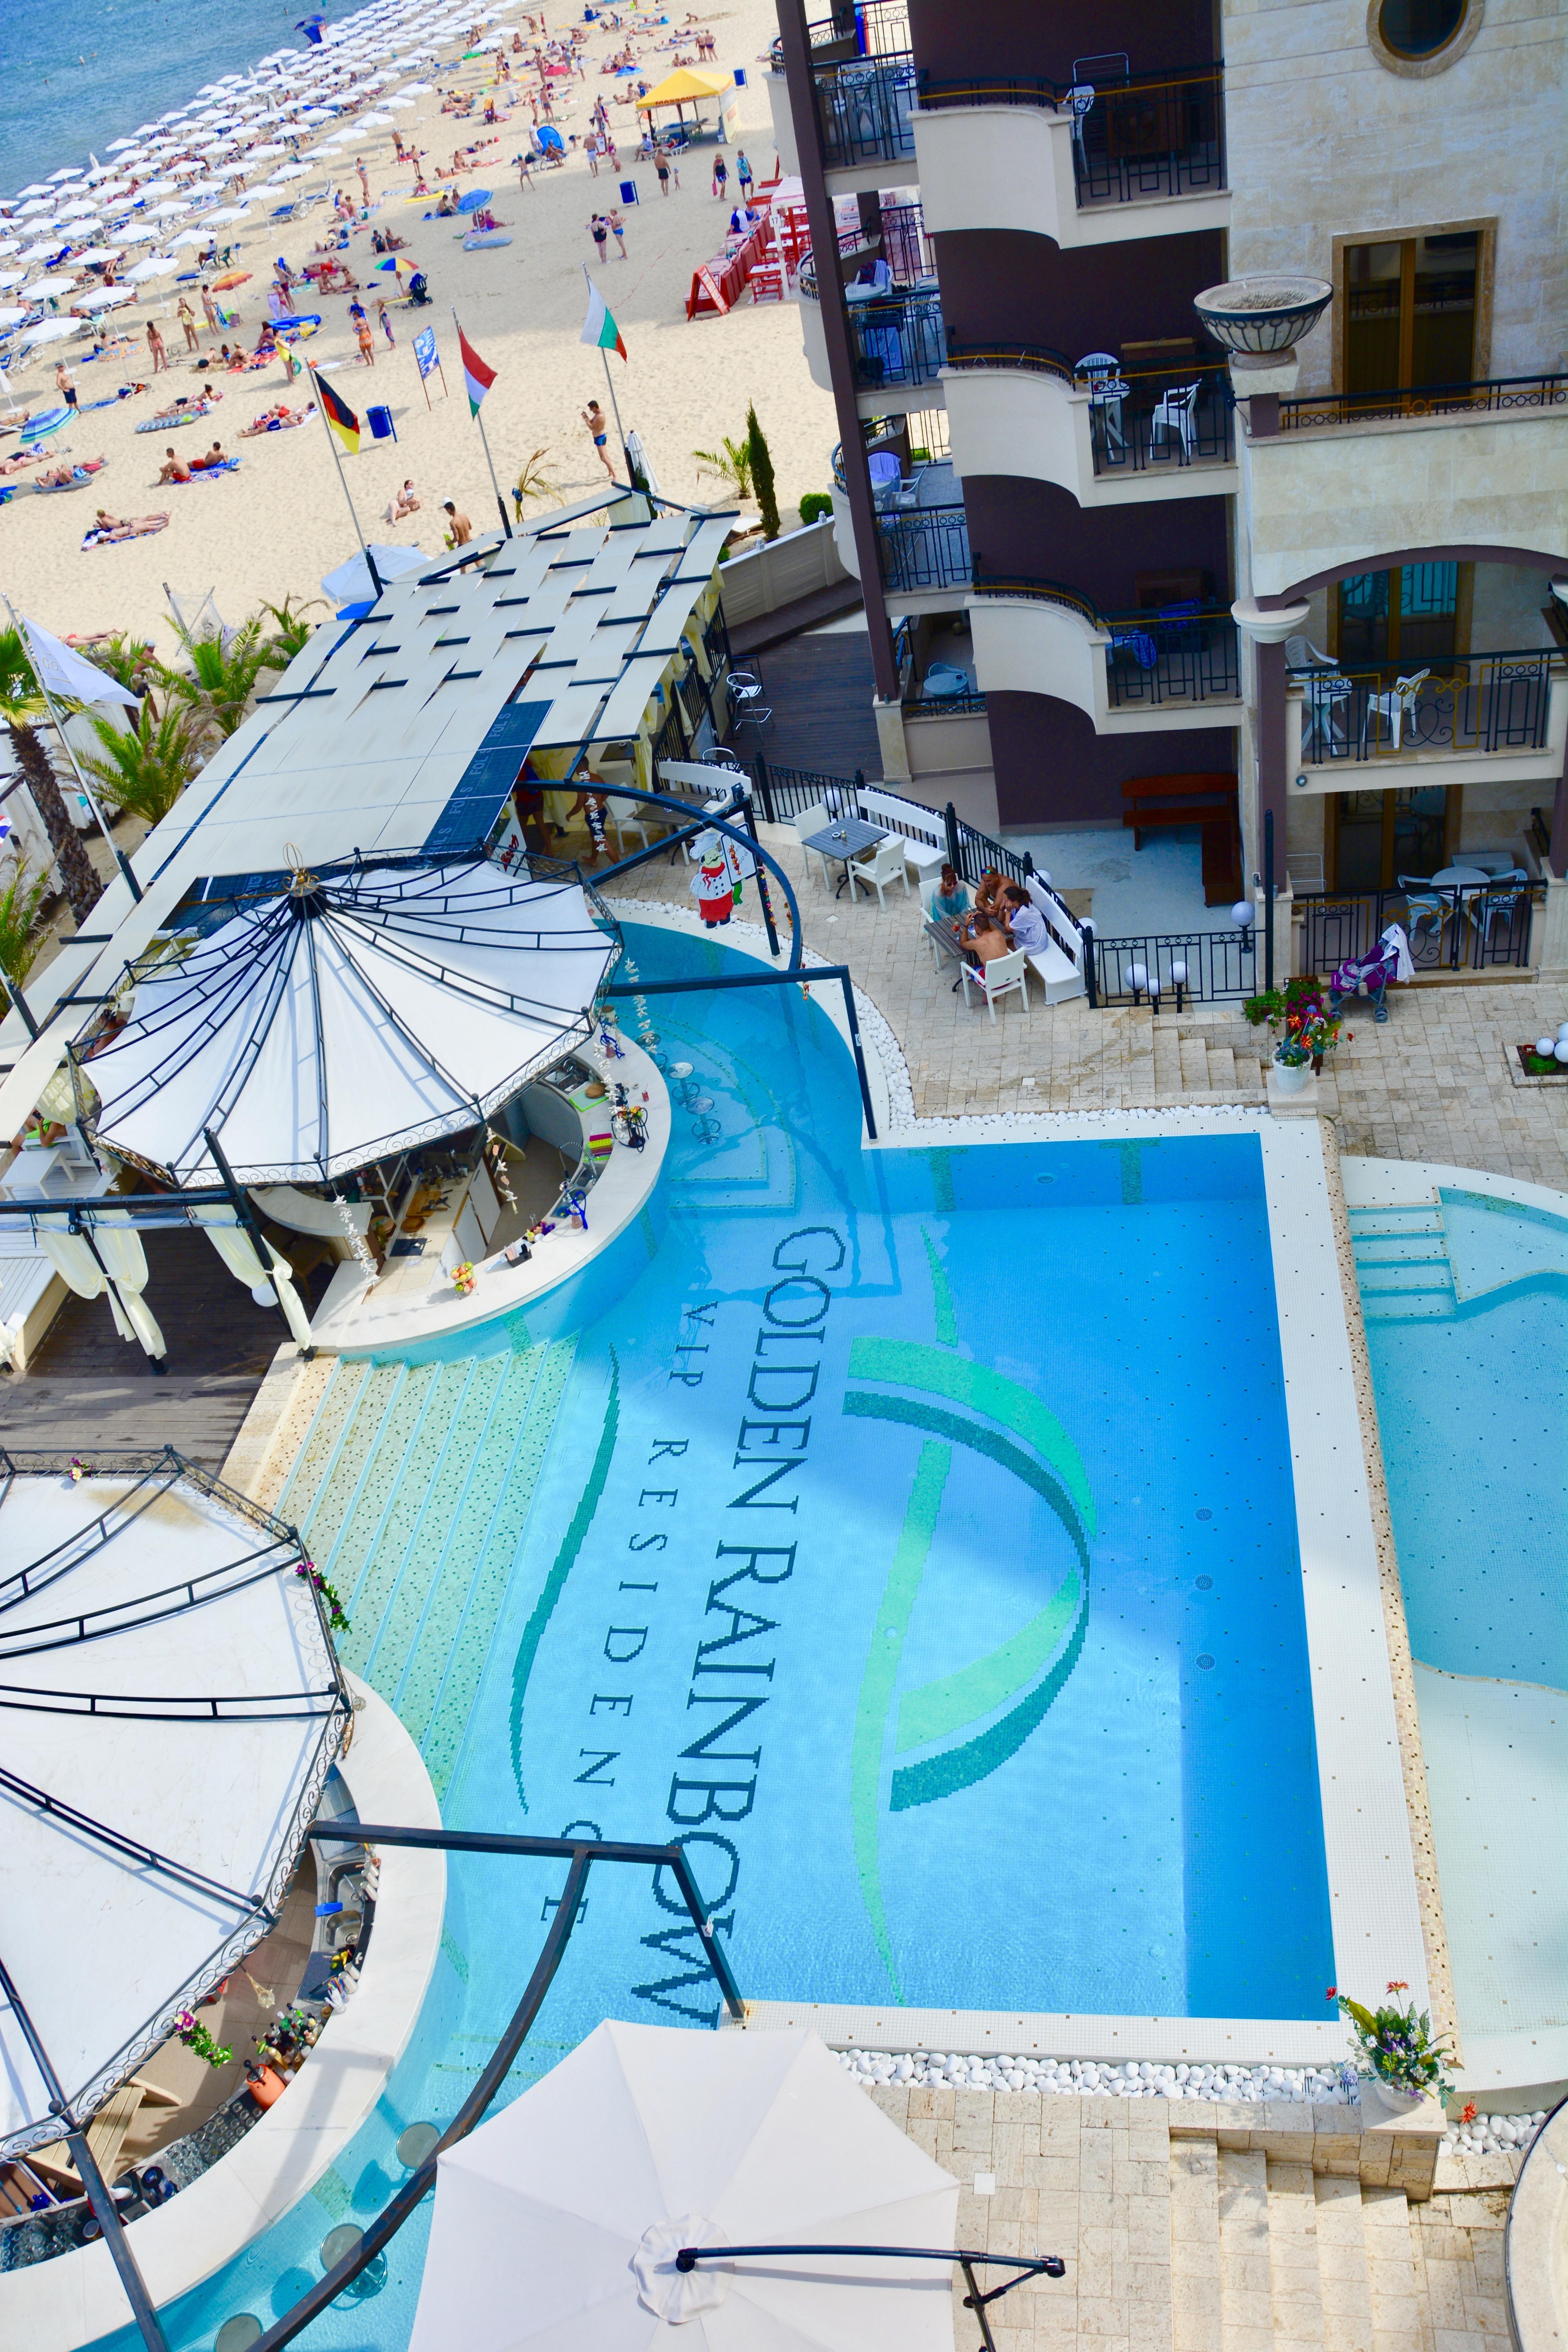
419,289
1389,960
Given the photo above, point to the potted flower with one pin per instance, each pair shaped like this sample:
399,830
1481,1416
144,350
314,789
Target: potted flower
1310,1030
1400,2063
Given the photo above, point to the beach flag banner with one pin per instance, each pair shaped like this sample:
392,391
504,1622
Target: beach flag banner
599,330
425,349
65,673
476,374
340,416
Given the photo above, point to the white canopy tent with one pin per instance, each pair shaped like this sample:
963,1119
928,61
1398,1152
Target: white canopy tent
559,2220
170,1706
318,1022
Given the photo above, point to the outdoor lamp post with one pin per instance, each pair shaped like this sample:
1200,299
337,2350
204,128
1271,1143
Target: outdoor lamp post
1178,980
1137,979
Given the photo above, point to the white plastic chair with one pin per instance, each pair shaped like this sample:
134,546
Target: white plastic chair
1177,412
814,819
628,816
1001,977
884,865
1328,694
1300,652
1395,706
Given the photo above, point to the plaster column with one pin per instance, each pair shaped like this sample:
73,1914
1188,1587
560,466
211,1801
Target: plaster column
795,41
1268,631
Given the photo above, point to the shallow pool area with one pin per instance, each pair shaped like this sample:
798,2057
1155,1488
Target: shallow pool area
920,1536
1465,1290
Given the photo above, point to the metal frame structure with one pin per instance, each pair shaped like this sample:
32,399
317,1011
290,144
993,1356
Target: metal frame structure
1026,2266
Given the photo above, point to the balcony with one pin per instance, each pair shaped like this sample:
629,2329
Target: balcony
1132,673
1346,477
1024,409
1484,718
923,534
897,340
864,74
1081,165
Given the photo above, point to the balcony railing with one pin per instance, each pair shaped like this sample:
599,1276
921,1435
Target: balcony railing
924,548
867,111
904,245
1463,928
1182,416
1132,141
1490,397
868,28
1174,659
897,339
1487,702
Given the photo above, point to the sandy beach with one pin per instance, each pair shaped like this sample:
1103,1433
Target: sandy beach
275,525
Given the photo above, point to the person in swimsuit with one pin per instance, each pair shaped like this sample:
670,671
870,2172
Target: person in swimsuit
593,418
600,235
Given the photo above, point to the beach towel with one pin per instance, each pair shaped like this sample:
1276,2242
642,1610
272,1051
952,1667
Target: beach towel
209,473
139,527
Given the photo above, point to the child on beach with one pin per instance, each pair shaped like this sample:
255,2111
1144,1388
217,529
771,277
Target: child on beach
366,342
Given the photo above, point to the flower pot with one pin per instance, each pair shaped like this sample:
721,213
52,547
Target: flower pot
1381,2100
1290,1077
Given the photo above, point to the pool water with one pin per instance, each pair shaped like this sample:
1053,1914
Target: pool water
915,1539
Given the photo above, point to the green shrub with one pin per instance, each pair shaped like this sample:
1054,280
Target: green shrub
815,503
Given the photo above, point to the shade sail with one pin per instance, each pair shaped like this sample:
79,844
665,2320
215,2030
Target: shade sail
321,1021
558,2222
170,1706
684,83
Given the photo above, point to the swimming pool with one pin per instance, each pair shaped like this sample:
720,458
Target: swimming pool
912,1532
1465,1290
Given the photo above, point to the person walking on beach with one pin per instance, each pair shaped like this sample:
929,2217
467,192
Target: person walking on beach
363,179
743,175
525,169
366,342
721,177
187,318
155,345
617,229
593,418
462,530
383,313
600,235
591,148
209,310
661,165
65,386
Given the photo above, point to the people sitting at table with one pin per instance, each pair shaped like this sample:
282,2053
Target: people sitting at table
950,900
1025,919
988,938
987,897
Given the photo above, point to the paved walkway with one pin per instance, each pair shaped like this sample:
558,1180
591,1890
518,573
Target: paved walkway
1431,1083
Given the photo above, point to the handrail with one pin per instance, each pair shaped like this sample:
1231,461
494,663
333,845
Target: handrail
1015,90
1044,591
1039,359
1486,396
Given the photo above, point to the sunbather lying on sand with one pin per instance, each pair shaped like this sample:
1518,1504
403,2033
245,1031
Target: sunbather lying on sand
108,527
276,420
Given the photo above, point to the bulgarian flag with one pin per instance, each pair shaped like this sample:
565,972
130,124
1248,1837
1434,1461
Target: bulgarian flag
340,416
477,377
598,328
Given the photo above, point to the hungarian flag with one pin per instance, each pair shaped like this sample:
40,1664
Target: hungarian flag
477,377
598,328
337,412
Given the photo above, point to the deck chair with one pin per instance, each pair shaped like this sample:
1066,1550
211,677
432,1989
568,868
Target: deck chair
1002,976
814,819
885,865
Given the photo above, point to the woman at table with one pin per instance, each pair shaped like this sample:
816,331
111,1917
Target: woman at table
950,900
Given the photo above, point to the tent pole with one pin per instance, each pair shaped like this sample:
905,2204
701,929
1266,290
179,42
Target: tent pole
77,1226
248,1221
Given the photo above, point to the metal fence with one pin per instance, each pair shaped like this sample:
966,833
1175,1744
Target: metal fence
1488,702
1199,967
923,547
897,339
1483,397
1158,660
1181,418
1148,139
867,111
1463,928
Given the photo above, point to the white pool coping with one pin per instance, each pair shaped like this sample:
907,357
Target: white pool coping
1374,1899
1494,2062
54,2306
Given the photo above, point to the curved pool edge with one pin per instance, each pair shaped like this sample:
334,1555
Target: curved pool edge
77,2298
1535,2244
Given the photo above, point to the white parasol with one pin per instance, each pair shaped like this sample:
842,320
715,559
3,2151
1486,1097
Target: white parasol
558,2221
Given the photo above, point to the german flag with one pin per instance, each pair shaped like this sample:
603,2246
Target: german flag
340,416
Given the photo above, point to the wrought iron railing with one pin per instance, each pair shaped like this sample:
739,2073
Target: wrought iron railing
897,339
1162,136
1463,928
1037,358
1173,969
1487,702
923,547
944,705
866,107
1179,657
1487,396
875,29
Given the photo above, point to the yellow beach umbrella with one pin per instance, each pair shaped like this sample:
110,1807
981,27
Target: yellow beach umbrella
685,86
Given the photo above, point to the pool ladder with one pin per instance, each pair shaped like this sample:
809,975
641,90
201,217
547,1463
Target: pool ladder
1402,1264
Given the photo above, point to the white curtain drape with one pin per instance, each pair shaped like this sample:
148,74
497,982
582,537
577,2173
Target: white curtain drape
72,1257
235,1246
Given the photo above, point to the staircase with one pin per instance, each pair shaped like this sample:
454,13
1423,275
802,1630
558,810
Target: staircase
411,1489
1187,2232
1205,1054
1402,1264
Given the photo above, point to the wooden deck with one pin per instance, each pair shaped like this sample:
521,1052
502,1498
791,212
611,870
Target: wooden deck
820,690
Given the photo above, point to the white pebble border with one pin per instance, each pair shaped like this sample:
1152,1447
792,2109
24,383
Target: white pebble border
1086,2078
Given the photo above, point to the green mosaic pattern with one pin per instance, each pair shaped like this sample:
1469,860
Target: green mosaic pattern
365,1523
321,1439
335,1502
400,1627
414,1478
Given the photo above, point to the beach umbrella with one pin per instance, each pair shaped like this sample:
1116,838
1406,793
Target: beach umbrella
34,189
560,2219
10,315
375,122
167,212
257,153
229,280
294,172
355,1013
228,213
10,281
157,265
184,171
95,255
102,298
43,203
189,239
36,253
82,209
154,189
10,245
50,330
48,289
116,188
143,233
158,1918
68,172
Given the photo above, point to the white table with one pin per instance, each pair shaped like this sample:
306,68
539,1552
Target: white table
1460,878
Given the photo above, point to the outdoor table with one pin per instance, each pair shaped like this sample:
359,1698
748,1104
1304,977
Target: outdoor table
1463,877
948,939
844,841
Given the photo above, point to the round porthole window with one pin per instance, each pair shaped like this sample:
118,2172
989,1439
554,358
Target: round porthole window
1422,37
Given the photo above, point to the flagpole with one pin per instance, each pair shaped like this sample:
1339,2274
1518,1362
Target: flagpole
485,438
87,792
375,580
609,387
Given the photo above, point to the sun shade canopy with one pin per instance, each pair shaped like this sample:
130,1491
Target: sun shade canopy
685,84
170,1707
315,1021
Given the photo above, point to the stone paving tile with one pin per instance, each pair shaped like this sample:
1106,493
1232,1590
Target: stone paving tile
1430,1083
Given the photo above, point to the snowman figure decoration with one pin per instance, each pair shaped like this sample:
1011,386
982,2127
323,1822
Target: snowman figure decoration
713,885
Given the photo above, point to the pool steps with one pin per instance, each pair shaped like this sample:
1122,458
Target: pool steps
1402,1264
411,1488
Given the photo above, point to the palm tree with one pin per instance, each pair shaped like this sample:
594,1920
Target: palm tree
19,902
22,705
534,482
130,661
222,675
149,765
734,465
293,632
